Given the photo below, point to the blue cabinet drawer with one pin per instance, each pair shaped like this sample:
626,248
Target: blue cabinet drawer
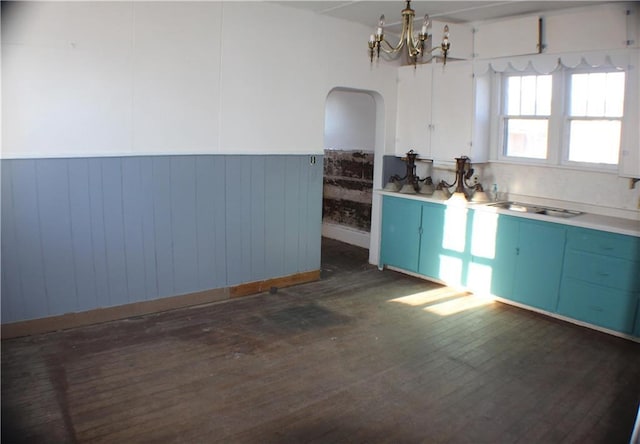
602,270
597,305
608,244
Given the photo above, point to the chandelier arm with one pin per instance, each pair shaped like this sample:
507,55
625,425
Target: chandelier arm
394,49
391,49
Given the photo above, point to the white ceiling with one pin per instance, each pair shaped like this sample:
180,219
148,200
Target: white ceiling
367,12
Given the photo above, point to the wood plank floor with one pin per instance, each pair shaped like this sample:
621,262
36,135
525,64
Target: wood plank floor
359,356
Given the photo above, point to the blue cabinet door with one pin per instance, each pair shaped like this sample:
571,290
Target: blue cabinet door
432,240
400,233
539,264
504,262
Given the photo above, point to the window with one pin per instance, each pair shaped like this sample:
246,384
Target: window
570,117
595,117
526,121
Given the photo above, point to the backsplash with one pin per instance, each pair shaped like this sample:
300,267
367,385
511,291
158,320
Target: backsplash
594,192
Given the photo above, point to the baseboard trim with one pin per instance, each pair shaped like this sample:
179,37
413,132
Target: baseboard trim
99,315
346,234
280,282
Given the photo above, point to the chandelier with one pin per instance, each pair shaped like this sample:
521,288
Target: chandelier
415,44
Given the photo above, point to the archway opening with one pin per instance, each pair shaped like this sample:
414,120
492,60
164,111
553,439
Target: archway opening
349,152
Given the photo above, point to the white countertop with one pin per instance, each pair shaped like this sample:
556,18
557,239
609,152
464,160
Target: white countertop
611,224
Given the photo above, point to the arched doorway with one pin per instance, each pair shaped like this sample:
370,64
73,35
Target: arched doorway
349,153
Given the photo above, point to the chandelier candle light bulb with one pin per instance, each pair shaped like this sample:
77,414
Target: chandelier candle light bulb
424,32
379,31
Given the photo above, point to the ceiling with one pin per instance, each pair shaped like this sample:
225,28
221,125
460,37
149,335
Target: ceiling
367,12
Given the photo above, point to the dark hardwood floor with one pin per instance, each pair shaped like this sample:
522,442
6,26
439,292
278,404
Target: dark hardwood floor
360,356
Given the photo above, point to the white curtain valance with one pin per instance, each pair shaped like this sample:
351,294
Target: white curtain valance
546,63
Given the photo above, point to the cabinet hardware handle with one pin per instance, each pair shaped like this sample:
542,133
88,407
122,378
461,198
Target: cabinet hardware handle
517,251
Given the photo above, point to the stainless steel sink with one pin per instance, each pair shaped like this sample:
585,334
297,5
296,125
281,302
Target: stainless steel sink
535,209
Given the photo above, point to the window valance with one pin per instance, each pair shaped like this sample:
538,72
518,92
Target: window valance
546,63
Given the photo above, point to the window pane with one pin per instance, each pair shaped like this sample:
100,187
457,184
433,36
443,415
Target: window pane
543,100
597,94
579,94
526,138
615,94
594,141
513,96
528,94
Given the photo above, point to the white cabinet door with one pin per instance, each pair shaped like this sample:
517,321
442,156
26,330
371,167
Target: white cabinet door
413,118
442,112
452,111
461,39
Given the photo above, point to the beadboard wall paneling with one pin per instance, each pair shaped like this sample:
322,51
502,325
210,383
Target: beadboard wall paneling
84,233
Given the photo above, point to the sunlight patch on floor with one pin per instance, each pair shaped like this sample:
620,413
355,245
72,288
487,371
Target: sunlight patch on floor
425,297
460,304
444,301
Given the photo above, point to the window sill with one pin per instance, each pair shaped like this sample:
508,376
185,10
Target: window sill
524,163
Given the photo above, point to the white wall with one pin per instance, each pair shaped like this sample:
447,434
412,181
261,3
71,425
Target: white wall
350,121
128,78
67,78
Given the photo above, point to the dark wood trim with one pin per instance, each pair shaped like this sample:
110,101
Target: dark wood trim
99,315
280,282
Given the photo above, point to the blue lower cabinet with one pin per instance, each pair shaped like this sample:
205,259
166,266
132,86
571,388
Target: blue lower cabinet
431,240
400,233
585,274
539,264
601,280
506,251
528,261
598,305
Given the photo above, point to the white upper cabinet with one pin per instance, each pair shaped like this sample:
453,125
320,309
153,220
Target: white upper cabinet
593,28
461,39
451,120
510,37
443,112
414,110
